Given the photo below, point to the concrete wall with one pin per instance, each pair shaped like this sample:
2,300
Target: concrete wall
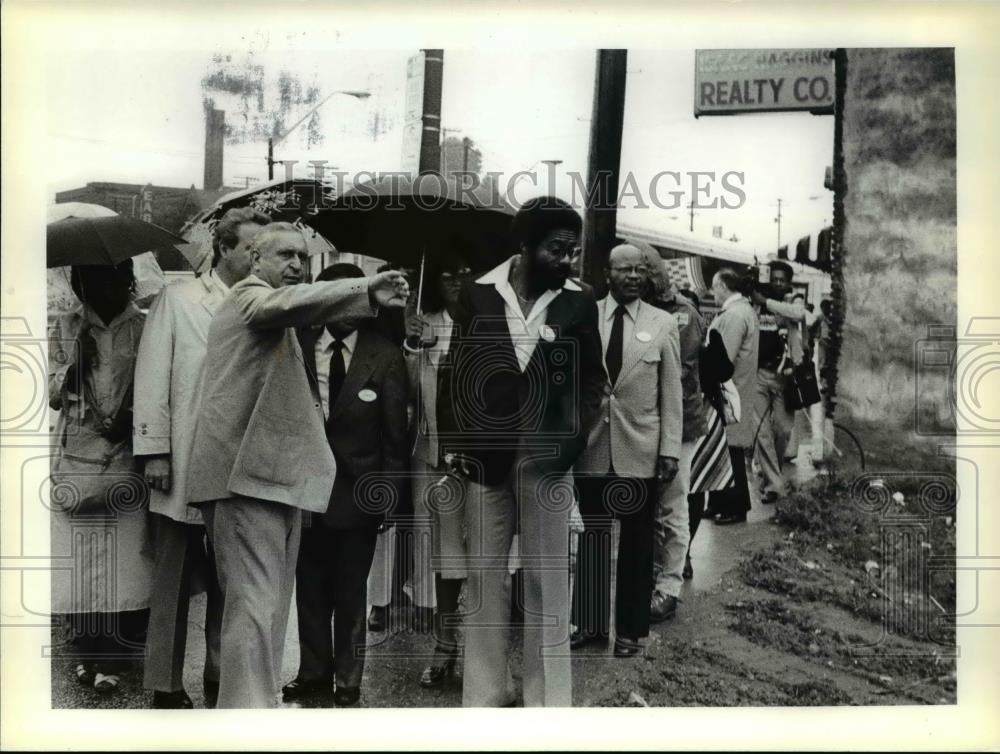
901,270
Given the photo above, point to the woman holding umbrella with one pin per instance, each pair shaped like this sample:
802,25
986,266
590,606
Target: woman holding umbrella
98,502
435,498
100,538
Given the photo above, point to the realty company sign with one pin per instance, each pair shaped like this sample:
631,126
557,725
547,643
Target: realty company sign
752,81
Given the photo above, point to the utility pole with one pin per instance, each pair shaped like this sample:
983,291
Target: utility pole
466,146
778,220
603,165
552,165
430,137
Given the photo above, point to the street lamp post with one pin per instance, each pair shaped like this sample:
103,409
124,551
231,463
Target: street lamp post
272,141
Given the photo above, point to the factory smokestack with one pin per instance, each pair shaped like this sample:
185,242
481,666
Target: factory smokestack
215,125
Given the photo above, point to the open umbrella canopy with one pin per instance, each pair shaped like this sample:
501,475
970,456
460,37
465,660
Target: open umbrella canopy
76,209
149,278
103,240
405,219
282,200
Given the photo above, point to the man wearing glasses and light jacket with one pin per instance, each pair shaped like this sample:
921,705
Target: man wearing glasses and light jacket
631,451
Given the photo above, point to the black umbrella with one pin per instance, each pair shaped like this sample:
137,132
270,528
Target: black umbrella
408,220
103,240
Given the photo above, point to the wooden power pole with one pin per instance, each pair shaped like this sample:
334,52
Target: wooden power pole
603,165
430,138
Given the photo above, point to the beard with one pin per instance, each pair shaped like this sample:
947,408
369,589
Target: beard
546,278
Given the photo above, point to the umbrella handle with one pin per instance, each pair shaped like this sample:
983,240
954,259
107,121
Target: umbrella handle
420,280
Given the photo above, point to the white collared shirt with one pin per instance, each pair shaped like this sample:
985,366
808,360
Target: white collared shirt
734,297
524,331
628,322
217,282
324,350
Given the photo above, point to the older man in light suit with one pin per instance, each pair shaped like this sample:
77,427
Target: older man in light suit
260,453
634,446
167,381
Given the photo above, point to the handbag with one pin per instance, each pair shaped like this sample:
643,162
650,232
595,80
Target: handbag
732,411
801,386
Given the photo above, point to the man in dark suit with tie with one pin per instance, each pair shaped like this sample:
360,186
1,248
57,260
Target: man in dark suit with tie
362,382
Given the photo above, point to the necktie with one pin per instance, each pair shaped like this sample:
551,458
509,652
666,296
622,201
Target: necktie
337,372
613,356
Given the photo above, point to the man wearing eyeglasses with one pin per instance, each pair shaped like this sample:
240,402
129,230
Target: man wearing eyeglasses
632,449
520,388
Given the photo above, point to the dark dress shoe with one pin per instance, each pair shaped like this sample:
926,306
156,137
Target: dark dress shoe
172,700
346,696
662,607
579,639
376,619
211,693
625,647
688,572
301,688
725,519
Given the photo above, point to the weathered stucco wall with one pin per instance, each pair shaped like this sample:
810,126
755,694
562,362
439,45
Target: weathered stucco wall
900,272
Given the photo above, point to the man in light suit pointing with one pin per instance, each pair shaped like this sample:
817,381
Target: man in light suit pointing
633,447
167,381
260,452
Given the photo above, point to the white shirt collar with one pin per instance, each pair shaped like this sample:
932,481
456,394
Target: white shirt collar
499,276
217,281
733,298
95,321
632,308
325,342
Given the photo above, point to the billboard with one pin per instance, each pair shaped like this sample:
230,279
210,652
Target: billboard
727,82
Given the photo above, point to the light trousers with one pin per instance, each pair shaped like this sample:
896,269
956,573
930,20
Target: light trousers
256,547
672,527
772,424
544,501
182,552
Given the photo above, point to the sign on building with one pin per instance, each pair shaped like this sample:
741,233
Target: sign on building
751,81
413,124
146,210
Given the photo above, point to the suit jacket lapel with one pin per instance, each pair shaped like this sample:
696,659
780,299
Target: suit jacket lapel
361,367
213,296
557,316
494,322
307,341
635,348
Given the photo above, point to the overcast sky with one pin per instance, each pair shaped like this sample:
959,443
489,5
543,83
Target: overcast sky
136,116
